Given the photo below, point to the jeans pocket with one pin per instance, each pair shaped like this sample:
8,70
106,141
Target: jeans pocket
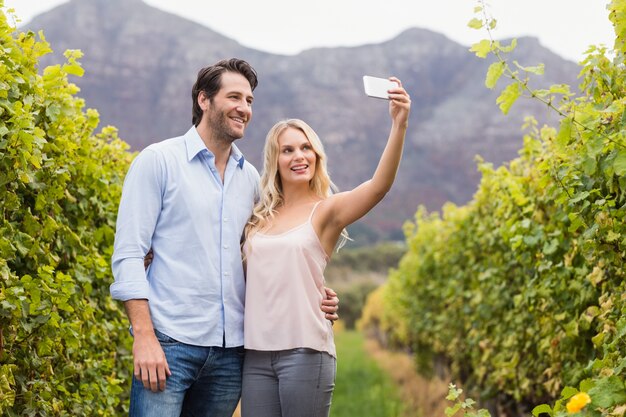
164,339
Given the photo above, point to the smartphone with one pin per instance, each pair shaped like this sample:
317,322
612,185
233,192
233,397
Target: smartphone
377,87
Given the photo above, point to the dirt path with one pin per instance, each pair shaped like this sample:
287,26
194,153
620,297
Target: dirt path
422,396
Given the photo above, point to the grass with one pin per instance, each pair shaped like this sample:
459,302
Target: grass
361,388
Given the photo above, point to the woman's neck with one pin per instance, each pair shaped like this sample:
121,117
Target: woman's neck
297,194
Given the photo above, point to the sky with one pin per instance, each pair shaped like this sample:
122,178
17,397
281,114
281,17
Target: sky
567,27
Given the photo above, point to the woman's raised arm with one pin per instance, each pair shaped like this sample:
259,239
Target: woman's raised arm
344,208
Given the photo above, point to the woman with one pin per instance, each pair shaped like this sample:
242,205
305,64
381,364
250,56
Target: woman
290,362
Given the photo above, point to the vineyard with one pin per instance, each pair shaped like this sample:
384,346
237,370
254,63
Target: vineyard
520,295
62,338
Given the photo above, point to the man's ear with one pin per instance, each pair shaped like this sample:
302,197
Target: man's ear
203,101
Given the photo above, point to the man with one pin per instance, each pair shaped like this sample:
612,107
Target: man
189,198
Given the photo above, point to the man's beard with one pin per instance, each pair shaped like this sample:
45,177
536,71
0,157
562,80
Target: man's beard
219,123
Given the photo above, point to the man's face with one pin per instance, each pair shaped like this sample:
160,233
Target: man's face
230,111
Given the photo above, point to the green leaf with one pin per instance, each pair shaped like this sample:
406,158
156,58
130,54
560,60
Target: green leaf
450,411
576,222
594,145
538,69
541,93
453,392
550,247
531,240
586,385
542,409
7,386
568,392
53,111
565,132
589,165
25,177
619,163
613,108
608,392
494,73
598,340
579,197
559,89
482,48
509,96
612,236
468,403
73,69
510,48
475,23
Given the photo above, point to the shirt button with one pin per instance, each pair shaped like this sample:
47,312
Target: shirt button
226,246
226,274
225,219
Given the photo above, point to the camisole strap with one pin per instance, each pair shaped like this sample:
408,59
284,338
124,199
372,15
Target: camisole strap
313,211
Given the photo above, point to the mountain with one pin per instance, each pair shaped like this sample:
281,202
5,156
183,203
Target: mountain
141,62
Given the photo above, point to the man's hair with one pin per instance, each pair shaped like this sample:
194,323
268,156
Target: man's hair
210,81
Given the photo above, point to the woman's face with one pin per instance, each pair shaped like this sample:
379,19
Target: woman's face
296,157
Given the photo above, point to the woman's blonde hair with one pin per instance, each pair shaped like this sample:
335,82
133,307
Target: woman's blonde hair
271,186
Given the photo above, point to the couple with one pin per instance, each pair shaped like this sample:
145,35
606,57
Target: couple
192,199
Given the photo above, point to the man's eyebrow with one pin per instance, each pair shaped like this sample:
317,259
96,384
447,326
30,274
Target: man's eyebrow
240,93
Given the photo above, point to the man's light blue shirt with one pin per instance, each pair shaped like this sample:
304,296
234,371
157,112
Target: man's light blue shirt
174,202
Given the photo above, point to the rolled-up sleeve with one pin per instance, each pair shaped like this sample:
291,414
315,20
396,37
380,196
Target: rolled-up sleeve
137,217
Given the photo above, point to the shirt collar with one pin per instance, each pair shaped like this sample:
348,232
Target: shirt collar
195,145
236,154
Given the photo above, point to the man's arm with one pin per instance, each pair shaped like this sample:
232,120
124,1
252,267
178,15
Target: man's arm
149,362
330,305
139,210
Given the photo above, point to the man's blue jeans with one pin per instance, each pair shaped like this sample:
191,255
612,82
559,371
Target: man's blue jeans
205,382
